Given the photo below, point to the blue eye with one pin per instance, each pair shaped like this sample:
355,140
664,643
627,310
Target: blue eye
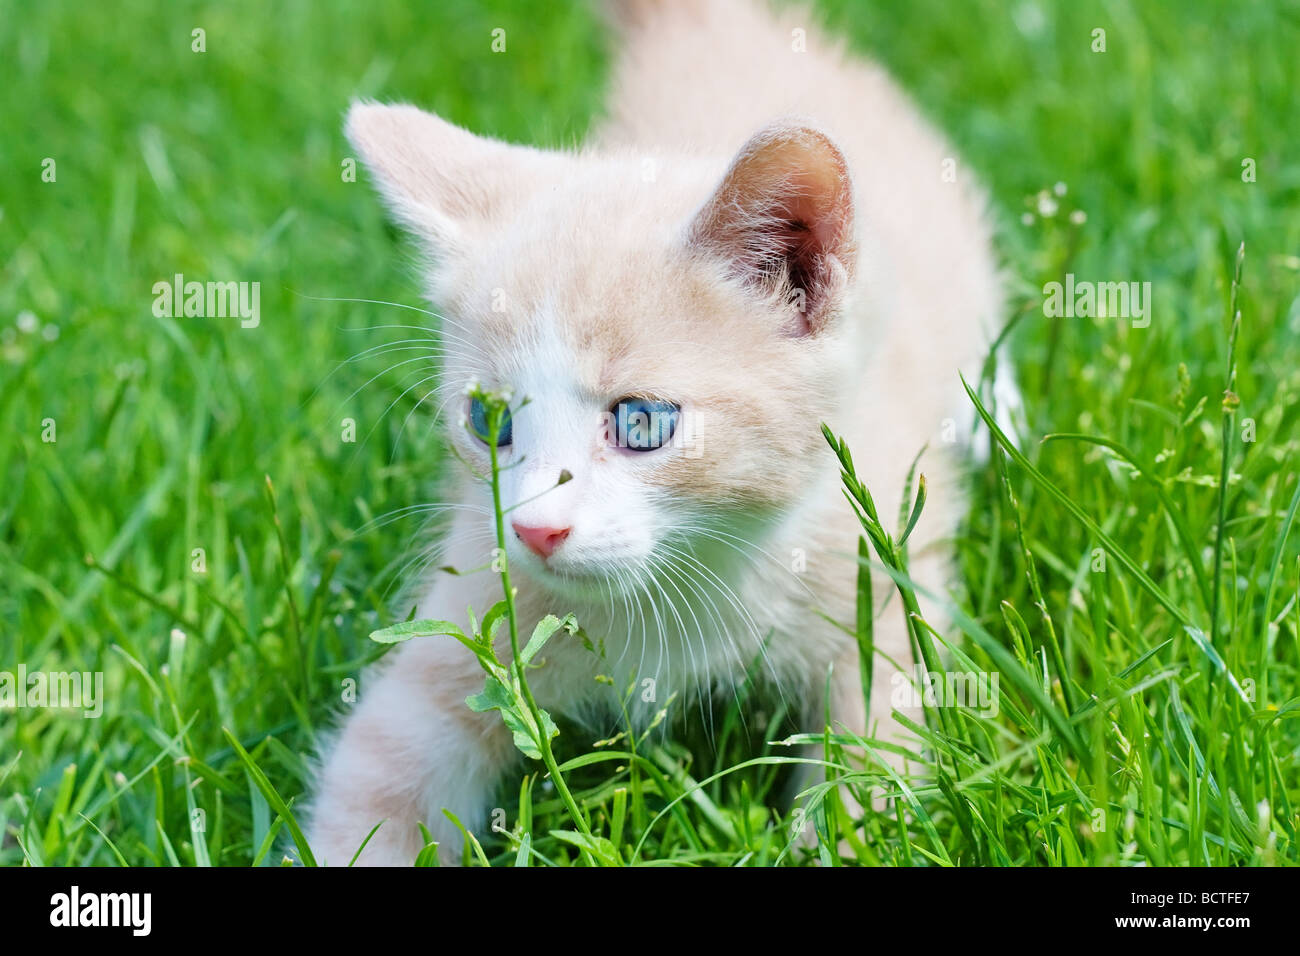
479,423
645,424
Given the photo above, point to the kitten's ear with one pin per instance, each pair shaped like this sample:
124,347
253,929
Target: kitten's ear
783,218
439,180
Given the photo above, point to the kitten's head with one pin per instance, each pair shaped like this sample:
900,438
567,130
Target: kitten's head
669,327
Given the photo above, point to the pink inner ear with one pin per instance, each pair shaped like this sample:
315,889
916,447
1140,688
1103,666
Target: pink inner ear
824,208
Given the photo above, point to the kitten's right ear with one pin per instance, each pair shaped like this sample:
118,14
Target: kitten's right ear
443,182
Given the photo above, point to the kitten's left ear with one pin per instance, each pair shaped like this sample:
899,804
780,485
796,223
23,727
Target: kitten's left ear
783,219
441,181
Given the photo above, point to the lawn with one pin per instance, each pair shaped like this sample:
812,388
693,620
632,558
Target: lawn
184,511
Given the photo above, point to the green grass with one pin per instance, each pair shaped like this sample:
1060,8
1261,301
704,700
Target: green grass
1131,728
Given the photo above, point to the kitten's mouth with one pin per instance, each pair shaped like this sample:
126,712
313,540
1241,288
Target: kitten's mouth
570,579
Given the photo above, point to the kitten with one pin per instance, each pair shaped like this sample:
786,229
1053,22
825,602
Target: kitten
759,238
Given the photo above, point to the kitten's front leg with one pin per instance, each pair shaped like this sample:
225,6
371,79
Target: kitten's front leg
411,748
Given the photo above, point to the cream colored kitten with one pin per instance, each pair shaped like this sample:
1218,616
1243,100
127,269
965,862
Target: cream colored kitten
760,237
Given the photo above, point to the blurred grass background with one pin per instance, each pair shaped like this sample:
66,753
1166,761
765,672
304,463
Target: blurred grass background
226,165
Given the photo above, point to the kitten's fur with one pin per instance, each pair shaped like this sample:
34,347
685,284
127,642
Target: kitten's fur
659,261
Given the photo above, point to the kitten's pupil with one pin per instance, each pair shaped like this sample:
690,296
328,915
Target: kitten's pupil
479,423
645,424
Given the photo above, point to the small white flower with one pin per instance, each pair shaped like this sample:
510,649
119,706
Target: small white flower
1029,19
1027,219
1078,217
1059,189
50,332
1046,206
27,321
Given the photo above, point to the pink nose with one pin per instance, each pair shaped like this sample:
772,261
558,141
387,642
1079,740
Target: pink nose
542,541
